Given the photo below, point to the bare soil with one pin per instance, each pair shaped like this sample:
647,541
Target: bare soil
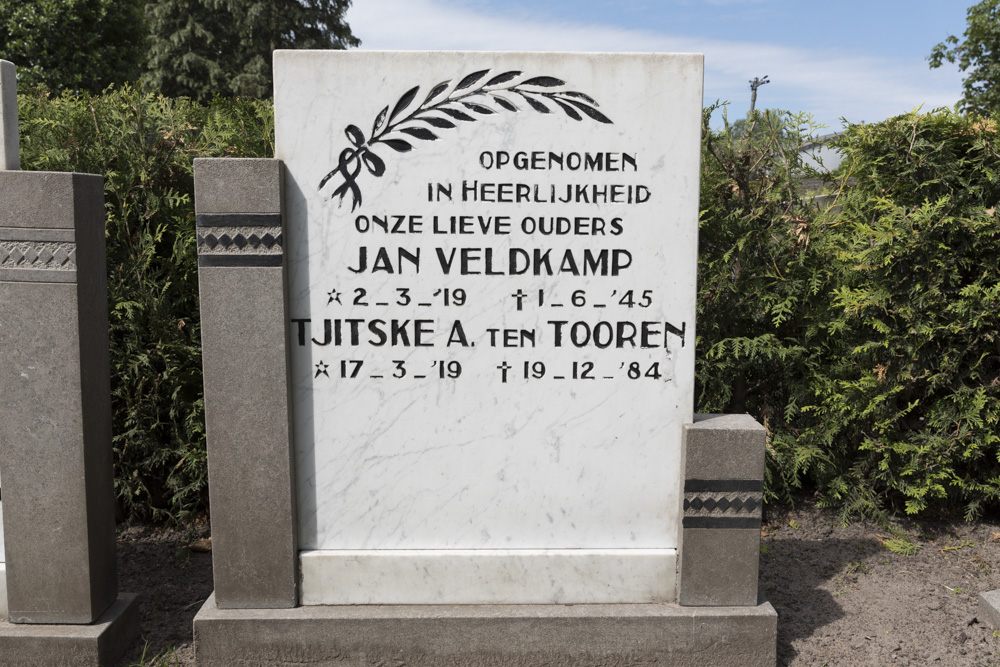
858,595
864,595
172,583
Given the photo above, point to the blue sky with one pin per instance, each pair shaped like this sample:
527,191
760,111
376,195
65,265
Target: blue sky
863,61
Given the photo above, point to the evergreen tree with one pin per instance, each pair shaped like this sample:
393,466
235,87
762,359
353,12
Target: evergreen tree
73,44
186,43
978,54
203,48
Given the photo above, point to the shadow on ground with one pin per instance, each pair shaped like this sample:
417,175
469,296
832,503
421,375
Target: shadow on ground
795,576
172,583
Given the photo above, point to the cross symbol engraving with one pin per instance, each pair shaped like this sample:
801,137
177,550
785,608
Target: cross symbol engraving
321,369
334,296
519,295
504,367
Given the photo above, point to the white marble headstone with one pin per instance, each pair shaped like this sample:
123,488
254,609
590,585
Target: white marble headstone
492,266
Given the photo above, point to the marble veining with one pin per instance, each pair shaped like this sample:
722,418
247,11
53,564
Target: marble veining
465,576
490,350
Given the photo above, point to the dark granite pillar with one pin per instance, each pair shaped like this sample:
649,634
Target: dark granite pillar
55,435
723,498
243,315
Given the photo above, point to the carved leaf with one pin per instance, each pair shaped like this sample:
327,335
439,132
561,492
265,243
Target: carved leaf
374,163
404,102
502,78
590,111
354,135
456,114
535,104
420,133
570,111
436,90
544,81
398,145
438,122
380,120
471,79
582,96
478,108
505,103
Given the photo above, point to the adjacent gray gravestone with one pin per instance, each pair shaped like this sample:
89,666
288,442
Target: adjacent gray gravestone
3,567
9,141
989,607
61,589
449,372
9,153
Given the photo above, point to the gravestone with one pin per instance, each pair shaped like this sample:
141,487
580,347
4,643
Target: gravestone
449,372
9,154
3,567
60,593
989,608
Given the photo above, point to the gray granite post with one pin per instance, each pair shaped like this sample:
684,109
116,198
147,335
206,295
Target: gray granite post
245,359
723,498
56,432
9,160
989,608
9,146
55,435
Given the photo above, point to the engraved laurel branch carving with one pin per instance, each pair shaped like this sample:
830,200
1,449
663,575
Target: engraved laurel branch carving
469,100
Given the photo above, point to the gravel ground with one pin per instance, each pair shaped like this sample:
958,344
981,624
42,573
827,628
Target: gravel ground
854,595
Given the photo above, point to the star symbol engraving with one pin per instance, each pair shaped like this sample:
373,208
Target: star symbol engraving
334,296
321,369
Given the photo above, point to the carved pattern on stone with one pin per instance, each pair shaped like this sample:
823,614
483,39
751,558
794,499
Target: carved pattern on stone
239,241
733,503
470,98
37,255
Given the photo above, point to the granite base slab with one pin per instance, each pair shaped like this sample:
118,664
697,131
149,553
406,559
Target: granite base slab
989,608
101,643
609,635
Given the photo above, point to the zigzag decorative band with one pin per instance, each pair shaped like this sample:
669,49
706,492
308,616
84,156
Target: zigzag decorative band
699,505
240,241
38,255
723,503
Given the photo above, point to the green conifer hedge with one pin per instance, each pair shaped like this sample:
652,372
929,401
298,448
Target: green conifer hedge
144,145
861,327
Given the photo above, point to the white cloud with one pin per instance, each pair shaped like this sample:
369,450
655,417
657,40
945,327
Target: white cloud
828,84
